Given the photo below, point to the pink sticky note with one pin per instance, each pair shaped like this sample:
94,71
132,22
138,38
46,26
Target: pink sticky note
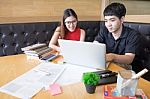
55,89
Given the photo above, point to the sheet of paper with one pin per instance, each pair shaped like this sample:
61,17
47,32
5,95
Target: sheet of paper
30,83
73,74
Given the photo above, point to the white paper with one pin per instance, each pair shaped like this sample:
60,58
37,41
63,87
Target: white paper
73,74
30,83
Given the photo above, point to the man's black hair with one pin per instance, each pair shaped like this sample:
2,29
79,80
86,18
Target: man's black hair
115,9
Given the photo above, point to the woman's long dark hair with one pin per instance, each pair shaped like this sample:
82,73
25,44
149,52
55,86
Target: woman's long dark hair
67,13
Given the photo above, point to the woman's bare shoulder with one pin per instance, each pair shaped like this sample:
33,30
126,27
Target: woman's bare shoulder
58,29
82,31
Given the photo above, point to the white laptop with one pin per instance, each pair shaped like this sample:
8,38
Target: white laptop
86,54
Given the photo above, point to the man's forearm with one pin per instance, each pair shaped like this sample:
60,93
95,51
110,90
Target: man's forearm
123,59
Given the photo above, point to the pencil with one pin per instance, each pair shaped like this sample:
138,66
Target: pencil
105,90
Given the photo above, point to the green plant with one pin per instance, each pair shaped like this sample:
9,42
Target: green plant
90,78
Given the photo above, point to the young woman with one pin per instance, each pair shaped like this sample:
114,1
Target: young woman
68,29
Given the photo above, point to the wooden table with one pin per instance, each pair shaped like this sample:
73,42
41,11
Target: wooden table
13,66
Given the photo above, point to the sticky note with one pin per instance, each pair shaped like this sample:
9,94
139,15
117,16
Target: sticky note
55,89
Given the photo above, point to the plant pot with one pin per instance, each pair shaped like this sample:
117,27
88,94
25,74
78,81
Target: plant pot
90,88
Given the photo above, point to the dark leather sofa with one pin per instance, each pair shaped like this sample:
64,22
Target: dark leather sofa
14,36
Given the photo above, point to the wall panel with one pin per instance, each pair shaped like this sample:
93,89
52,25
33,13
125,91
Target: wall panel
31,10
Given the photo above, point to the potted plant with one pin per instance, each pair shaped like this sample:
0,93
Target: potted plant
90,80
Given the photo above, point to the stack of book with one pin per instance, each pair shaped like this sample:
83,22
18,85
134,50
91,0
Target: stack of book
36,50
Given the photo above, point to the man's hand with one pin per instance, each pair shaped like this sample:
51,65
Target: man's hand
110,57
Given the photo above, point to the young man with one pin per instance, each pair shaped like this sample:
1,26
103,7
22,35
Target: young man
121,42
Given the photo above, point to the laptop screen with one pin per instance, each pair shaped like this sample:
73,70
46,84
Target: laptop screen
86,54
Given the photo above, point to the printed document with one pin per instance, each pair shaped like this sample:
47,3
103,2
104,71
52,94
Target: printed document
30,83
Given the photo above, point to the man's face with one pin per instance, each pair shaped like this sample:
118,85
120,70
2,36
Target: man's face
113,23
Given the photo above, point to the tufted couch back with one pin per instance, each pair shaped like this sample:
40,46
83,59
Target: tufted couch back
14,36
143,60
17,35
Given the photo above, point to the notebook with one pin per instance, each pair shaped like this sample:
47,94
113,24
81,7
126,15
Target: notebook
86,54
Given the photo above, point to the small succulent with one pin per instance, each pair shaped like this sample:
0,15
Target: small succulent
90,78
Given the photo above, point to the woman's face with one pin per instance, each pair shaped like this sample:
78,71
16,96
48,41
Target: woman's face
71,23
